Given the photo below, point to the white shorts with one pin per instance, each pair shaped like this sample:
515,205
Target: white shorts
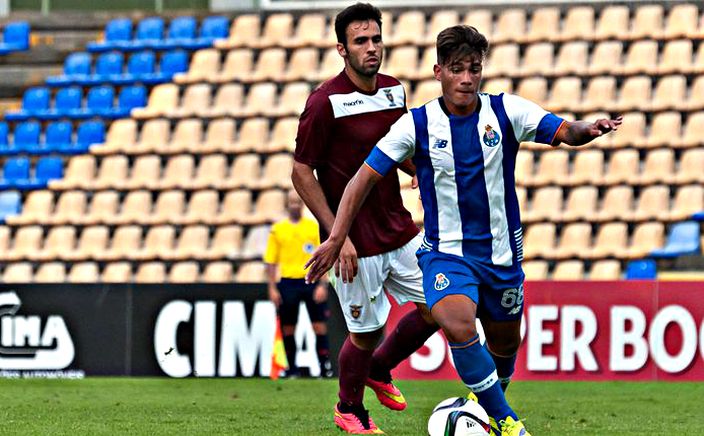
363,301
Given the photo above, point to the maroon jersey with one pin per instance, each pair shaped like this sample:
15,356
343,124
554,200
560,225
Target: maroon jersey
339,127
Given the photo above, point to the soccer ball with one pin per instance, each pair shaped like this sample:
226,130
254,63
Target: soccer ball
458,416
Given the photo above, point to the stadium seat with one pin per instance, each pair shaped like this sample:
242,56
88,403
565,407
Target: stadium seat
59,241
480,19
140,64
155,133
46,169
228,101
578,24
117,31
192,243
84,272
219,136
534,89
218,272
610,240
269,207
581,204
251,135
605,270
212,170
121,133
162,99
77,66
255,242
569,270
226,243
181,32
622,168
539,241
643,269
158,244
26,138
260,99
440,20
235,206
409,28
276,172
4,240
125,241
104,206
524,168
34,101
15,173
51,272
87,134
636,94
183,272
169,205
606,59
244,173
613,21
149,33
117,272
15,37
99,103
504,60
113,171
647,23
690,169
245,29
659,167
270,66
681,21
332,64
683,239
510,26
178,172
546,205
36,208
251,272
79,173
211,29
653,204
402,62
544,26
277,29
4,134
283,136
572,58
688,200
150,272
202,208
537,60
631,132
565,94
587,169
693,135
10,205
670,93
695,102
676,57
646,238
58,137
195,98
204,67
171,63
186,137
310,31
552,168
238,66
18,272
575,241
535,270
93,241
108,66
665,129
27,241
70,208
617,204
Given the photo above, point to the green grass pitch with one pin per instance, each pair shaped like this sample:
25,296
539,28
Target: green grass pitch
116,406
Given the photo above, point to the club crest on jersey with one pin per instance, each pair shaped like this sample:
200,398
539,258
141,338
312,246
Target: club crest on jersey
355,311
308,248
390,97
441,282
491,137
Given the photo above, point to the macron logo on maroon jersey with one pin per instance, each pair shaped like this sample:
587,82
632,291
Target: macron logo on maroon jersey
356,103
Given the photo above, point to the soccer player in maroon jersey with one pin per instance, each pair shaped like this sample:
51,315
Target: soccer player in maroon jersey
343,120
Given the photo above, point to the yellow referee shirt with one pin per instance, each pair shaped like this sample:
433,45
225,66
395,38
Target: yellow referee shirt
290,246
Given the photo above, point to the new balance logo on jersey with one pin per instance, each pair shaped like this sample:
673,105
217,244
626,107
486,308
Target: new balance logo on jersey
353,103
516,310
440,143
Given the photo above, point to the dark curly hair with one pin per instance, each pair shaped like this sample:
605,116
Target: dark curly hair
356,12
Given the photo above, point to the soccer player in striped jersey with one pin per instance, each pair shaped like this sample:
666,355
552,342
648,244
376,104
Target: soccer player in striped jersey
464,146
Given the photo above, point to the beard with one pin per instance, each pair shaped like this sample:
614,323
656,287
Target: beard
360,69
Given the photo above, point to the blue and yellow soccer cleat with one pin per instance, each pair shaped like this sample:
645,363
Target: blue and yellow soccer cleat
472,397
509,427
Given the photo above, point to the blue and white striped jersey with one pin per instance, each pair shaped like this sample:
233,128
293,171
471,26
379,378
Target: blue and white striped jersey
465,167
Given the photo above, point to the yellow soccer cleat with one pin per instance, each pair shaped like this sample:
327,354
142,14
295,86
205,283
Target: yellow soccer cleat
509,427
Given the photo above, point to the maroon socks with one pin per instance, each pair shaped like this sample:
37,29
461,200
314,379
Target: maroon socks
354,368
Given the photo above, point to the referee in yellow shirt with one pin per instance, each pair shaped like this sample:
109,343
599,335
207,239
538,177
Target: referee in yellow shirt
291,242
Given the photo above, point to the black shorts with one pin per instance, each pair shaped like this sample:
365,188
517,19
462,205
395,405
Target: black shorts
295,291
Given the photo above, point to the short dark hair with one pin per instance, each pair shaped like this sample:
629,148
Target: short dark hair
356,12
459,41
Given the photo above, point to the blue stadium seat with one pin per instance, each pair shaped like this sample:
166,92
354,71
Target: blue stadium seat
130,97
212,28
99,102
643,269
89,132
34,101
4,133
77,66
171,62
699,216
15,172
15,37
182,30
116,32
108,66
27,137
684,238
48,168
67,100
10,204
58,135
150,31
140,64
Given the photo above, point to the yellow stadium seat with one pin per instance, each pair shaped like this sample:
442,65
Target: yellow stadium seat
546,205
126,241
537,60
670,93
117,272
642,57
588,168
302,62
79,174
251,272
688,201
219,136
235,207
270,65
121,133
681,21
238,65
617,205
510,26
113,171
211,171
659,167
665,130
269,207
606,58
194,98
259,100
202,208
524,168
244,29
244,173
310,30
205,64
497,86
647,22
93,241
276,172
408,29
613,22
37,208
544,25
192,243
84,272
605,270
631,132
578,24
169,207
690,169
552,167
402,62
569,270
610,239
330,66
536,270
504,60
187,135
70,208
646,238
539,241
136,207
19,272
226,243
653,204
565,95
59,242
482,20
162,99
183,272
4,240
150,272
572,58
158,244
104,205
534,89
146,172
622,168
575,241
677,57
51,272
27,241
218,272
440,20
424,92
178,172
155,133
277,30
228,101
581,204
291,101
283,136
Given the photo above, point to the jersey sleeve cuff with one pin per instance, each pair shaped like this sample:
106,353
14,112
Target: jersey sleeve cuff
547,128
380,161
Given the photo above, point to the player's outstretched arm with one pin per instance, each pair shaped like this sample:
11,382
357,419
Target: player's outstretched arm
583,132
328,252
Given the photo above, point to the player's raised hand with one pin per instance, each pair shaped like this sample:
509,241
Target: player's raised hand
603,126
346,264
323,258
